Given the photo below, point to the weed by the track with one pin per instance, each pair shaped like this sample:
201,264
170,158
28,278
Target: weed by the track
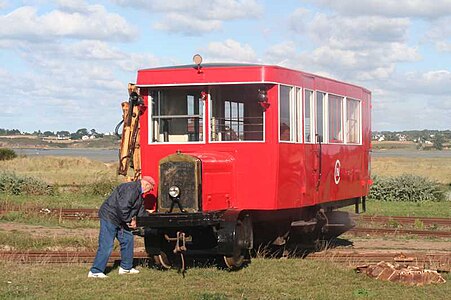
24,241
263,279
408,209
37,218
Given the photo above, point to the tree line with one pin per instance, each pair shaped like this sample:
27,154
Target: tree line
77,135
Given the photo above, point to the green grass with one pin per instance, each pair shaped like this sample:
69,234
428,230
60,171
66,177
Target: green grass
63,200
409,209
46,220
263,279
438,169
62,170
24,241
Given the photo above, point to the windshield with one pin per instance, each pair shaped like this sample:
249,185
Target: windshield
177,114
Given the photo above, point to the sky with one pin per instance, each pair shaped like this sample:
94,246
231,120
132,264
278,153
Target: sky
65,64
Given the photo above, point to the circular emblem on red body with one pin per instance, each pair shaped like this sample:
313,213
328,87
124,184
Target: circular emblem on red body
337,172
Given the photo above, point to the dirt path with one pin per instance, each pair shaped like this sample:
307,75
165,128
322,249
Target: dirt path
380,243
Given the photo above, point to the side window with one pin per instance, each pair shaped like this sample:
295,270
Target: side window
335,119
308,120
320,98
236,115
233,121
297,115
286,128
177,116
353,121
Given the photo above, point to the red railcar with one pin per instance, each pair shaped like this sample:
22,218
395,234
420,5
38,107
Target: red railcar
244,154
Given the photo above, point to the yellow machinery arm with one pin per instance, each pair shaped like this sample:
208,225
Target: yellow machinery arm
129,152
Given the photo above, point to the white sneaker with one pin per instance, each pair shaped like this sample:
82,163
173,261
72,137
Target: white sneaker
131,271
96,275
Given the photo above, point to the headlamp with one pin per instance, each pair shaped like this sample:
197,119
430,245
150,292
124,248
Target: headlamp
174,191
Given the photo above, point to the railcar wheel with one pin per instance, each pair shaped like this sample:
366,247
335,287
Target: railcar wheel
234,263
243,241
162,261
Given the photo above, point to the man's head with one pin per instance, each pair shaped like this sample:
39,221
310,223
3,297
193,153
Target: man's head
147,184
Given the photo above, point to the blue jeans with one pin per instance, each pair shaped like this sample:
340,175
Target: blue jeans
108,232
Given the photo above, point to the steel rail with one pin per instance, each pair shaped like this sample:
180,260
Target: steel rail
396,231
76,213
403,220
442,259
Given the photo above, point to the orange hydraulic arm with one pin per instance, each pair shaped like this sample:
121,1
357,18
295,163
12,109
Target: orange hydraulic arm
129,152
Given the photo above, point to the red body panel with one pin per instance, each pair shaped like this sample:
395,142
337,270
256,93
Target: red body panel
266,175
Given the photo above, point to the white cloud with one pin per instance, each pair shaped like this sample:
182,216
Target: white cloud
196,17
357,32
439,33
230,51
352,48
3,4
443,46
389,8
436,82
175,22
95,23
210,10
278,54
76,84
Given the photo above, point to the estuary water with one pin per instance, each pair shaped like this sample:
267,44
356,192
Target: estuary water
111,155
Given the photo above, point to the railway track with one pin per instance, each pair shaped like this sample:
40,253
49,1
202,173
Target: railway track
91,213
403,220
440,260
396,231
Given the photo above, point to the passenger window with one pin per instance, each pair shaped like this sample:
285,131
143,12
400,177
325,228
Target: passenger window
286,129
320,98
235,113
177,115
335,119
297,115
353,121
233,121
308,120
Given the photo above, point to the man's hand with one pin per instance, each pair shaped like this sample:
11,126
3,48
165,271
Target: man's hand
132,224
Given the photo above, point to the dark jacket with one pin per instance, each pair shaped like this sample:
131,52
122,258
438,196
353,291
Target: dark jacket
124,203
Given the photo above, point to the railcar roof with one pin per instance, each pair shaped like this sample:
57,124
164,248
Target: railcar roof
231,65
209,65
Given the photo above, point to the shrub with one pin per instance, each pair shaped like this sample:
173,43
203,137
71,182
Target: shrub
13,184
103,185
406,187
7,154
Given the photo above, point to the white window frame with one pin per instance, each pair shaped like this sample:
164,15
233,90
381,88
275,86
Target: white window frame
150,125
210,141
299,114
342,118
312,116
325,117
360,127
292,107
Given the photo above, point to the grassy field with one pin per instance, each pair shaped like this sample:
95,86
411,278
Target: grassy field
438,169
394,145
61,170
62,200
263,279
408,209
25,241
